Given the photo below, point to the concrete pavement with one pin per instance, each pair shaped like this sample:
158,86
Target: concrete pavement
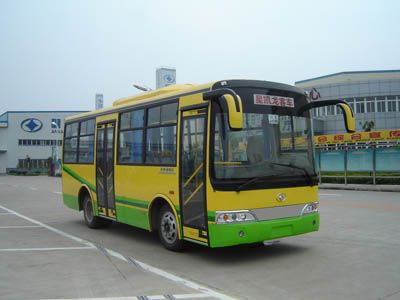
353,256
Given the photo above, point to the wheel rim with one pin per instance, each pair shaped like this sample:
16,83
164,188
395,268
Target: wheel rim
169,230
89,211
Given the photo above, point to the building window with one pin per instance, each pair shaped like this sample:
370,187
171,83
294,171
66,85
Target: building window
391,103
398,103
370,106
330,110
360,108
381,105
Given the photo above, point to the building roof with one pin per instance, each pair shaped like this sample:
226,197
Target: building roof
350,73
4,116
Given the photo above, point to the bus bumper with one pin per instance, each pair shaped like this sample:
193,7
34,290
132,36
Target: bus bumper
223,235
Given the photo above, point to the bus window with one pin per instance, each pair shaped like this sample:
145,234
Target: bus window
160,137
130,150
86,142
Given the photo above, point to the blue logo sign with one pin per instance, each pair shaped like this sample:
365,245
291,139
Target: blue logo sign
169,78
31,125
56,126
56,123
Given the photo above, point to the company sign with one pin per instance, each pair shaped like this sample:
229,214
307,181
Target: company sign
165,77
31,125
357,137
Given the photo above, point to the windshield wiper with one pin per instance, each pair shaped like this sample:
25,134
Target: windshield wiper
252,180
306,173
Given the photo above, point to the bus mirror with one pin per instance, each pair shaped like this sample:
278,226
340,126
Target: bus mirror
235,117
348,114
234,104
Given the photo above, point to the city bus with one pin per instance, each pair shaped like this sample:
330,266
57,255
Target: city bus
219,164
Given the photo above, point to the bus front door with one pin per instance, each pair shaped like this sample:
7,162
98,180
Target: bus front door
105,169
192,176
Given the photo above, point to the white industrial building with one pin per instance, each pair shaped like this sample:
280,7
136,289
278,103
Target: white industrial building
37,134
373,95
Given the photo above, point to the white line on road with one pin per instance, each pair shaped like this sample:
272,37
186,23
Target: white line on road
45,249
33,188
170,276
12,227
335,195
7,213
64,234
117,255
154,297
57,193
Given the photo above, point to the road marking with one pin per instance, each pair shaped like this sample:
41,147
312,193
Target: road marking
335,195
154,270
59,193
154,297
45,249
6,213
11,227
62,233
169,276
33,188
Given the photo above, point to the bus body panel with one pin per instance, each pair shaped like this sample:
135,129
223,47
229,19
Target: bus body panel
252,199
223,235
137,186
74,177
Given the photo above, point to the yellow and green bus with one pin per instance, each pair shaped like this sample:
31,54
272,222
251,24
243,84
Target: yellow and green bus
217,164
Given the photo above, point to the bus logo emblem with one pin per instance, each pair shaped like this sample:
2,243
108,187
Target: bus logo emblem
281,197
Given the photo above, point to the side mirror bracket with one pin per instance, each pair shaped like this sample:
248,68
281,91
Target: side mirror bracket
234,104
348,113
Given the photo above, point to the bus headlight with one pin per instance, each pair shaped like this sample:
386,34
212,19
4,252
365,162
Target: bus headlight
225,217
310,208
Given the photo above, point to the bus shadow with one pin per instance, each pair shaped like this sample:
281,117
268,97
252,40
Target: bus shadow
244,253
226,255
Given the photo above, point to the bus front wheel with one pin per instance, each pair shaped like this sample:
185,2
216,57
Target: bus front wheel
168,229
90,219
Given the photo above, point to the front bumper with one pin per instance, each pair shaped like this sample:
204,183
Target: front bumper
223,235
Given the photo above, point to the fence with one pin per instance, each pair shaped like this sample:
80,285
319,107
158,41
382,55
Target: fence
373,160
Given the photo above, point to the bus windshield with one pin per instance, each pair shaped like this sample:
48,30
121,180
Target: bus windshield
274,142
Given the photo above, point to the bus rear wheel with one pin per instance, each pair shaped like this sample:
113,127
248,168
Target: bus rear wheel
168,229
90,219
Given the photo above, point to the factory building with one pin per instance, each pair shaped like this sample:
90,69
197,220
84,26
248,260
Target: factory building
30,136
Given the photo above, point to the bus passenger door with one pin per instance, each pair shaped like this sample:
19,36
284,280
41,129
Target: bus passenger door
192,175
105,169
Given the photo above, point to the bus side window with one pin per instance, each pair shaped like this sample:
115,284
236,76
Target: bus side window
130,148
161,134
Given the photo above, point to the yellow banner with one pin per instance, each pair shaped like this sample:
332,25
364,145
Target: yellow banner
341,138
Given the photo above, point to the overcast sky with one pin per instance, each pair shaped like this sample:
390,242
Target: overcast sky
56,55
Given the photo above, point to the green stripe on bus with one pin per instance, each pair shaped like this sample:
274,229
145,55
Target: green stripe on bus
211,216
133,202
71,201
79,178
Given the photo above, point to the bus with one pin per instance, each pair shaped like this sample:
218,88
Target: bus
218,164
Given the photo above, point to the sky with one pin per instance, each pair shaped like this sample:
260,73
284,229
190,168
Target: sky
56,55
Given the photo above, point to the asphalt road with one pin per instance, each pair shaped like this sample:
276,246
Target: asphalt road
47,252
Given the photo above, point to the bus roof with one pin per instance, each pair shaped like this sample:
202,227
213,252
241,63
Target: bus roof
179,90
166,93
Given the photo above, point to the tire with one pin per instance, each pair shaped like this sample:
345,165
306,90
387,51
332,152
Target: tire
168,229
90,219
